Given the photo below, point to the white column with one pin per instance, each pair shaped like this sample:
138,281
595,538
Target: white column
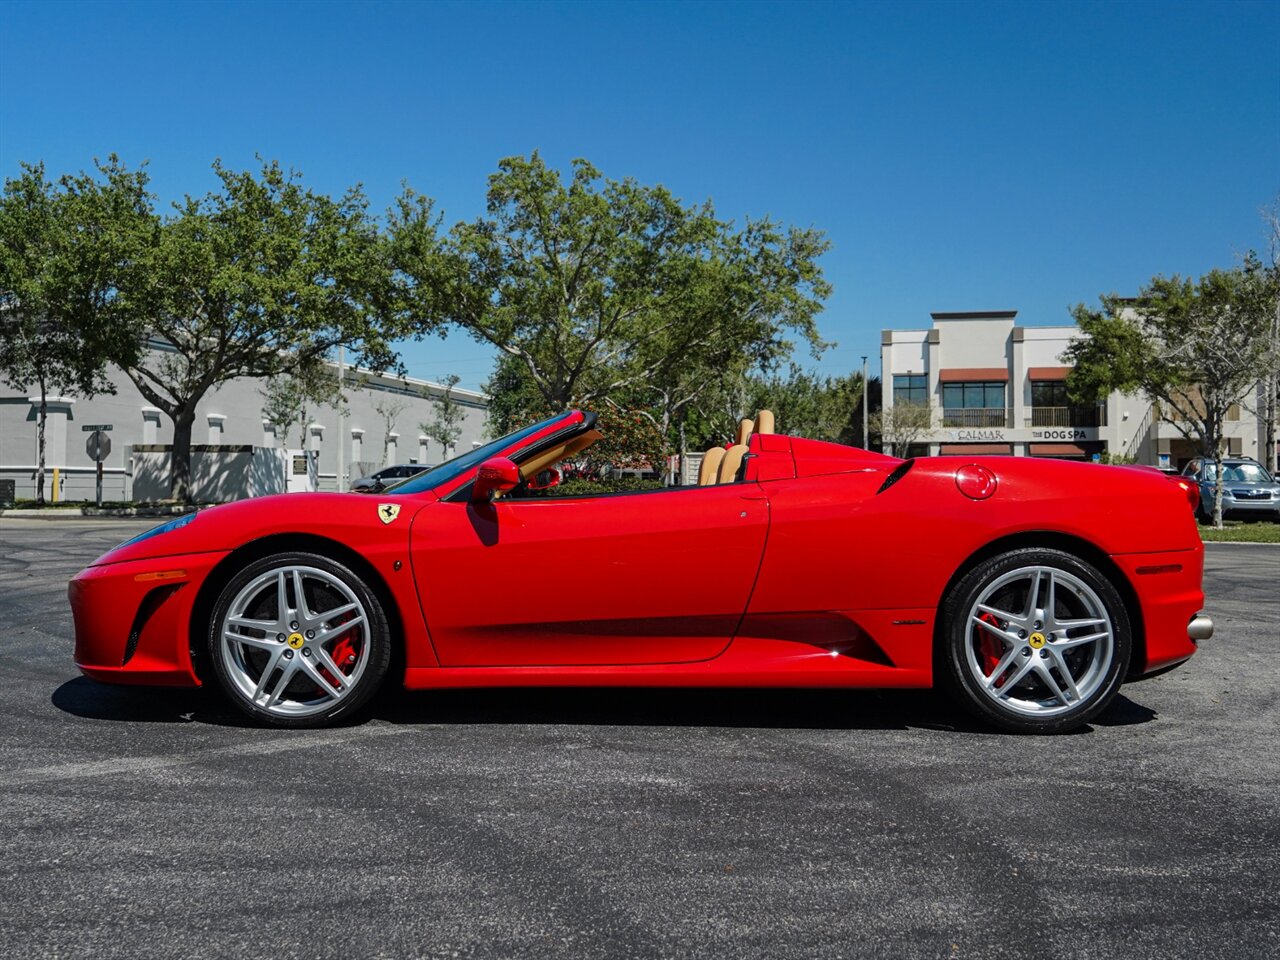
315,432
151,424
268,433
216,423
393,440
357,442
422,448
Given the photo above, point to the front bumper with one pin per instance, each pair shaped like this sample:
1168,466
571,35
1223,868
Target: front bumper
133,619
1269,509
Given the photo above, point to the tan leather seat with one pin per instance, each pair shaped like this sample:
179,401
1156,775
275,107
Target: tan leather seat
732,462
710,468
764,421
745,429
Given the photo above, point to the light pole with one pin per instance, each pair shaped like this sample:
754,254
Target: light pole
341,423
866,440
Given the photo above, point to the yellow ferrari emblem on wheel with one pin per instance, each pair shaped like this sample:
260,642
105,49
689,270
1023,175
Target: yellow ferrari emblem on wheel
296,641
388,511
1036,640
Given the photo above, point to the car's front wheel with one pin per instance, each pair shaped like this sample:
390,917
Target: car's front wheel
1035,641
299,640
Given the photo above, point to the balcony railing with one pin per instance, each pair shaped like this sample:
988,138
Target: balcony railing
1063,417
976,417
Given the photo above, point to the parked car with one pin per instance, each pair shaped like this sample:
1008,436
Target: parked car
1248,490
1030,590
380,480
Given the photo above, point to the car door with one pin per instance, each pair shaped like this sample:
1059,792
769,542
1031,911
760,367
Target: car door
654,577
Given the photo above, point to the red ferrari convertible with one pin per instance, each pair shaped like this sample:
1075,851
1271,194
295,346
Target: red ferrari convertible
1030,589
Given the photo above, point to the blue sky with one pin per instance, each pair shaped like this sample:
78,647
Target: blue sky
960,156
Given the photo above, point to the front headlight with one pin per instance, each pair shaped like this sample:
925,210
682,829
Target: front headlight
176,523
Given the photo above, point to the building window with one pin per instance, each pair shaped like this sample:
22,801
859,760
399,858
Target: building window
1051,407
910,388
979,404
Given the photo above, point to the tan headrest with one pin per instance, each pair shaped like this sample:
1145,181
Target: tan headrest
745,428
764,421
732,461
710,469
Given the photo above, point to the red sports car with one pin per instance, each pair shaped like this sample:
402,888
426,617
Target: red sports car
1030,589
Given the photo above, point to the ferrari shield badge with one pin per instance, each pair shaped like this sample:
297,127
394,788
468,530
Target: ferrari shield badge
388,511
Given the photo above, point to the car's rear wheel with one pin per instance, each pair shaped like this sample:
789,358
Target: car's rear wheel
1035,641
299,640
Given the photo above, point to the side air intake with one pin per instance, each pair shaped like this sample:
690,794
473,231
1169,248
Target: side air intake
899,472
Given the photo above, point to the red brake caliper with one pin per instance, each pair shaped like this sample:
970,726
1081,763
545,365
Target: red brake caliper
988,646
343,654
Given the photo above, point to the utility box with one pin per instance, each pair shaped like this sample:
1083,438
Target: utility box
7,492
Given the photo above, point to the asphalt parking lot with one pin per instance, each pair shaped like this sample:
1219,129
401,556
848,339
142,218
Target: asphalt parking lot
634,823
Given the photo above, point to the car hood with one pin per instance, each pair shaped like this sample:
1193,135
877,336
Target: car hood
347,519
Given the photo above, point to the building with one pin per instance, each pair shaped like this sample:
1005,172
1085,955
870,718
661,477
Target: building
380,426
990,386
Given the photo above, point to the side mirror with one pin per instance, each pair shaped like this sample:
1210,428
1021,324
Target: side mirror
496,475
544,481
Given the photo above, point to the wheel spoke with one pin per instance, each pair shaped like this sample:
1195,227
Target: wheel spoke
1007,687
332,667
290,668
1076,624
267,671
282,598
1004,635
300,596
1000,614
1033,594
258,643
1071,642
312,671
1065,673
1050,597
1001,667
335,612
267,625
1046,675
324,636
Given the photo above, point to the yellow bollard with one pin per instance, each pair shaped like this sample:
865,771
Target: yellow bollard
55,484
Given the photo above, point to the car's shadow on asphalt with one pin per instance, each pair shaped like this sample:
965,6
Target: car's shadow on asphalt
578,706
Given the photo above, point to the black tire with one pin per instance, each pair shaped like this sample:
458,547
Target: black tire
325,581
1102,663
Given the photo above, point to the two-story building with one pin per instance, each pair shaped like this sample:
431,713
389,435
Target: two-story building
982,384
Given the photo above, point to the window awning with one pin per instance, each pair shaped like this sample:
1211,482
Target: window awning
1086,449
973,374
975,449
1048,373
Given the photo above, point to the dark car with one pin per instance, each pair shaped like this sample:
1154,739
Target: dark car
1248,490
386,477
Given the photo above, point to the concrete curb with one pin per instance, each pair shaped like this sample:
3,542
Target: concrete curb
106,513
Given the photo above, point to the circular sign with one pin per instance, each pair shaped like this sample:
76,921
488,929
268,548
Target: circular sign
98,446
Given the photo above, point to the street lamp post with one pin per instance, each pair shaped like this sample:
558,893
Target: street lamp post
866,440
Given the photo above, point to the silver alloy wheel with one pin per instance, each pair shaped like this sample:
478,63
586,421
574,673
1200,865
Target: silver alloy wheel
282,654
1052,650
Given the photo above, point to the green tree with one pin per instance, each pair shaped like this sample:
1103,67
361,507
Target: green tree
809,405
444,425
900,425
256,279
598,288
1193,348
61,247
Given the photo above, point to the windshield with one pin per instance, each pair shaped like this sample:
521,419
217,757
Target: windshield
1238,473
451,469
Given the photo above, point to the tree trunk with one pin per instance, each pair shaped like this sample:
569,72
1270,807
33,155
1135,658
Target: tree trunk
44,413
180,480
